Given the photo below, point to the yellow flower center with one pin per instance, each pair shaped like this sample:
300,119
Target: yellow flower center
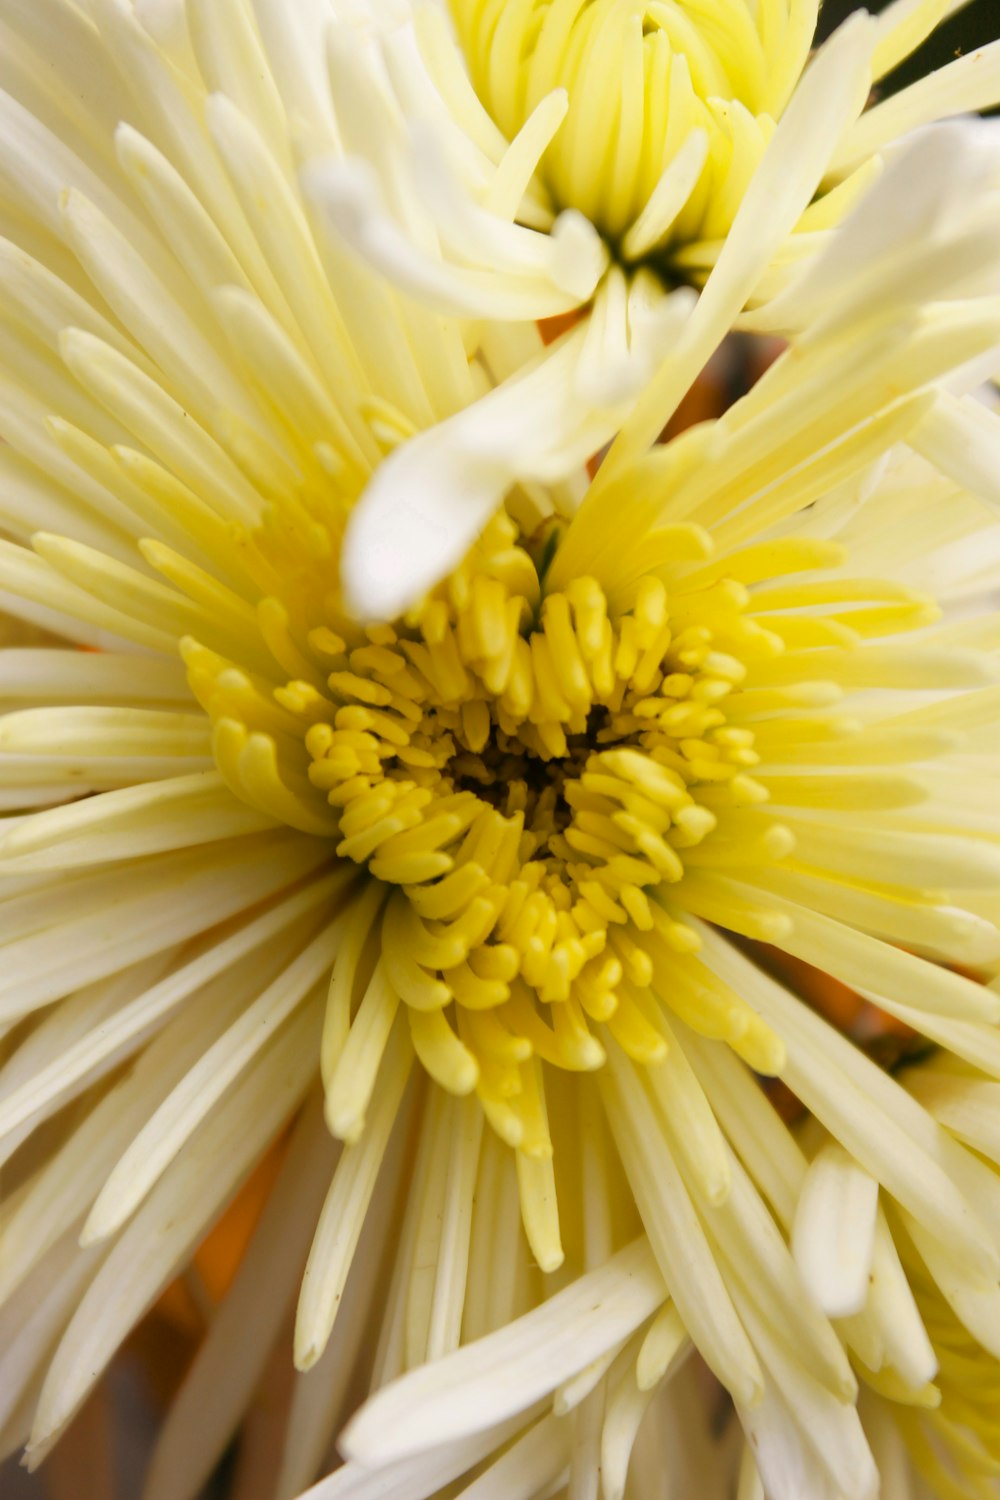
694,86
524,772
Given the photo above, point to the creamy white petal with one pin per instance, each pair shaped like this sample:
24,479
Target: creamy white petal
218,1385
508,1371
168,1130
172,1220
833,1238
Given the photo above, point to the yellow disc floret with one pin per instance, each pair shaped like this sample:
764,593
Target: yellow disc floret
522,771
543,781
694,86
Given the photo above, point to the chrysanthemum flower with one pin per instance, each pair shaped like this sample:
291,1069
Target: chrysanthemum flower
483,869
624,194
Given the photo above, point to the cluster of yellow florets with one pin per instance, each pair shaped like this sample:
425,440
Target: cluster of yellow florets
521,770
640,79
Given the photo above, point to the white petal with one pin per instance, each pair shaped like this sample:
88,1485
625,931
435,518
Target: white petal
834,1234
167,1132
507,1371
868,1112
962,438
137,1015
339,1226
172,1221
323,1396
962,87
430,498
200,888
975,1300
419,1475
220,1382
892,1308
349,195
528,1466
929,196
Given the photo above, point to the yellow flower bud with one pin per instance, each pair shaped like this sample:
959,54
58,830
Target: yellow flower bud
693,86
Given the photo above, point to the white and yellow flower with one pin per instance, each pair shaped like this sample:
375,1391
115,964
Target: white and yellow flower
437,829
729,176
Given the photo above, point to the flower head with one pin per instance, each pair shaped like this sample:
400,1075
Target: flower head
662,100
444,836
736,208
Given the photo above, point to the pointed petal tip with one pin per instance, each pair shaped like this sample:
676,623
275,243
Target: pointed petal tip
421,511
